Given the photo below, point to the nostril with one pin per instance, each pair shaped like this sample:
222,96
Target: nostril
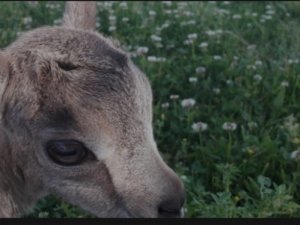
173,197
168,212
170,209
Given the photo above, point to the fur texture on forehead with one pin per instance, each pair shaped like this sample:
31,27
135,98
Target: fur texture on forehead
60,67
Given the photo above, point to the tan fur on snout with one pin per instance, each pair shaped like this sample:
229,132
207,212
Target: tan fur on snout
70,83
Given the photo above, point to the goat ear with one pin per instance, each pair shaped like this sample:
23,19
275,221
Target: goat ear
4,70
3,67
80,15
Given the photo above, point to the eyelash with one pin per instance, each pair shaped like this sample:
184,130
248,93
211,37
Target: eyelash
67,66
68,152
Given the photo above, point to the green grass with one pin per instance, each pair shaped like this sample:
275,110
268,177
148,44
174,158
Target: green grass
246,172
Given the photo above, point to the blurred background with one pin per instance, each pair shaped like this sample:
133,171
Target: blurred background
226,84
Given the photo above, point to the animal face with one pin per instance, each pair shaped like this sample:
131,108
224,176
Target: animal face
78,116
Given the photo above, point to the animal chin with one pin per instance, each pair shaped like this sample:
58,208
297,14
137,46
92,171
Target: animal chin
120,213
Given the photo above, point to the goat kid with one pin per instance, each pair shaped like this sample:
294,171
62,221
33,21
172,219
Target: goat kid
76,122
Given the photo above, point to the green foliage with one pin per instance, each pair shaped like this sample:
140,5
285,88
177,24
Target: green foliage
242,68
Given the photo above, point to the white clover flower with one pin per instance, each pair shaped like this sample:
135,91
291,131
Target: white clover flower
270,12
251,47
175,11
229,82
192,36
217,57
257,77
167,3
188,13
223,12
98,24
27,20
191,22
125,19
293,61
269,7
159,45
156,59
173,97
152,58
229,126
216,90
158,30
291,126
226,2
123,5
199,126
132,54
108,4
152,13
142,50
193,79
247,13
185,210
219,31
161,59
235,58
188,103
285,83
168,11
266,17
184,177
253,67
183,24
254,14
43,214
155,38
112,18
165,105
210,33
237,17
170,46
112,28
252,124
57,21
19,33
188,42
32,3
262,20
165,25
200,70
258,63
203,45
295,155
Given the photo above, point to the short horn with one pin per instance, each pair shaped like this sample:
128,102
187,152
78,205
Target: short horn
80,15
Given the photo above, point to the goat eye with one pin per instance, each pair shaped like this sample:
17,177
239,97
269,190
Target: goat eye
67,66
66,152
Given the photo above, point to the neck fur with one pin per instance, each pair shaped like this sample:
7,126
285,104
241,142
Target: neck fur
16,196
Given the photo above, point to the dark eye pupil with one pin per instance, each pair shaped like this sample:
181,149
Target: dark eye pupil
66,152
67,66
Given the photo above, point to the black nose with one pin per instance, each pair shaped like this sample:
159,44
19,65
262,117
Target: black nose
171,207
167,210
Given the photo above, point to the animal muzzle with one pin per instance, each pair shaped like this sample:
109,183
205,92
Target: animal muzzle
172,201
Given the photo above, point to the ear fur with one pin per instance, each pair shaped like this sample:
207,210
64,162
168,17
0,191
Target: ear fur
3,71
3,66
80,15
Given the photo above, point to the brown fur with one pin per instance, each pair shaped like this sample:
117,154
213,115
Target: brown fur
69,82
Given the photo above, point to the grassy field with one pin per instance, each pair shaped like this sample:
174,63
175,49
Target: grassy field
226,84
